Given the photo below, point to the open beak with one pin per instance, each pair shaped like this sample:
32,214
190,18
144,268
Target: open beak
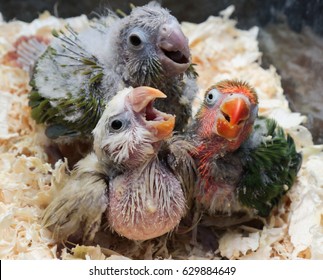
161,124
235,111
175,52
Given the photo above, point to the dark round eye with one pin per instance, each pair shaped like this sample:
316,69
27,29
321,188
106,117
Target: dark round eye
116,125
135,40
212,96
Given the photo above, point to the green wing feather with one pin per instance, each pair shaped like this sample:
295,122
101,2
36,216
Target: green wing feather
44,112
271,168
57,113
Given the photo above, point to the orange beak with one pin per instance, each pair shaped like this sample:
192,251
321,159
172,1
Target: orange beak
234,113
141,100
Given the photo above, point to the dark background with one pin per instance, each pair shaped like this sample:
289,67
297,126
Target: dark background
291,31
248,12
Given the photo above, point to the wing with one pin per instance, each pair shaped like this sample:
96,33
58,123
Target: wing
271,164
179,153
70,116
79,205
66,86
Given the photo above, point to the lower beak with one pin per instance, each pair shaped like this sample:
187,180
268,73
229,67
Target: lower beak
227,131
164,128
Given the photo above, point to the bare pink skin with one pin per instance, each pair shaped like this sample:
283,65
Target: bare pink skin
140,209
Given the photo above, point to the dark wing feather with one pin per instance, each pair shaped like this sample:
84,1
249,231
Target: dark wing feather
270,168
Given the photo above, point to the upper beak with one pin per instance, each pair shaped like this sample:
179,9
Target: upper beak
141,99
234,113
175,52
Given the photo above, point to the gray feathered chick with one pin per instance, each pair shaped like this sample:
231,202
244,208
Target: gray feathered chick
137,175
80,72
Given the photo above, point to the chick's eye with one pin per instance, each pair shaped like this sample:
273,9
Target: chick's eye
119,122
212,96
135,40
116,125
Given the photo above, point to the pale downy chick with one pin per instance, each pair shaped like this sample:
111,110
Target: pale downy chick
245,163
80,72
137,175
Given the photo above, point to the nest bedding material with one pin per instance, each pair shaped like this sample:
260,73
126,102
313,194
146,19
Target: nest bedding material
221,51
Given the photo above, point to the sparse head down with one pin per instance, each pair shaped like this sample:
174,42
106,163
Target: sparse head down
130,128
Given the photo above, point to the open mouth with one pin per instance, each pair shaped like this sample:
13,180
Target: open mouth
151,114
176,56
174,52
234,114
160,123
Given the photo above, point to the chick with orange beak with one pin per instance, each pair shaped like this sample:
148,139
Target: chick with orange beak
224,121
245,163
130,177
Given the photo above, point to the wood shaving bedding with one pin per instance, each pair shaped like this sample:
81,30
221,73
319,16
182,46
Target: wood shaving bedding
221,51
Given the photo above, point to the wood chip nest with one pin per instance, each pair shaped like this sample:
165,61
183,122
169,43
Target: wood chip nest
28,182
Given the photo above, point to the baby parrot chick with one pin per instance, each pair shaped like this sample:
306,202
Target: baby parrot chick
80,72
244,163
132,177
